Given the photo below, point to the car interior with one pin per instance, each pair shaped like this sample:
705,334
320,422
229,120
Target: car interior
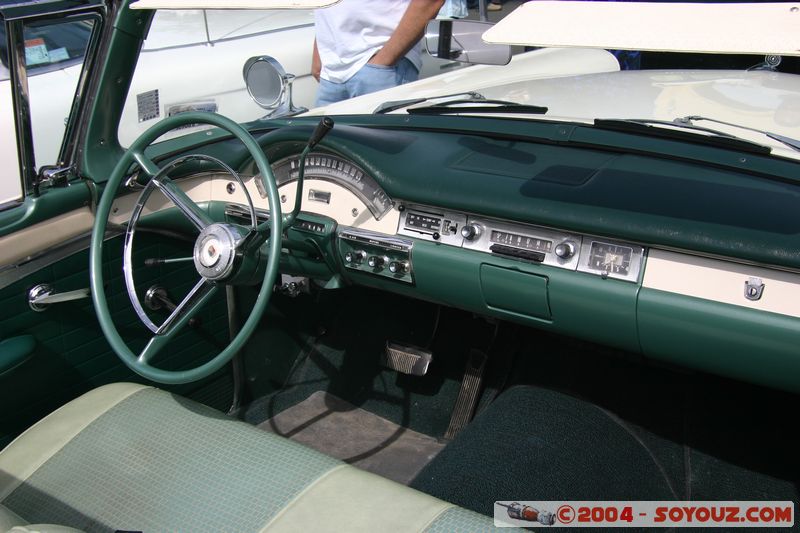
394,320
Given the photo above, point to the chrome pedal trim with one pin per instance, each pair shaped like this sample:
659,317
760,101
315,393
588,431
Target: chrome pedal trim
406,359
468,395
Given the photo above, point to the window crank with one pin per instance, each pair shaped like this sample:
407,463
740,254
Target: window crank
43,295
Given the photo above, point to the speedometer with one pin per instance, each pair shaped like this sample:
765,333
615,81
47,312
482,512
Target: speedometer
338,170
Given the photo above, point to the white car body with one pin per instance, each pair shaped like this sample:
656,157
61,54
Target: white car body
179,43
166,63
584,84
182,45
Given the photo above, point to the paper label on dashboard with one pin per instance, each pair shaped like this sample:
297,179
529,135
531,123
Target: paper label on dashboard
36,52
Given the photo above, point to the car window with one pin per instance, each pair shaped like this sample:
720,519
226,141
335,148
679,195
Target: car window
10,184
54,55
49,46
4,73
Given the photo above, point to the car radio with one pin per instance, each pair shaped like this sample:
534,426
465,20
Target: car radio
432,224
519,241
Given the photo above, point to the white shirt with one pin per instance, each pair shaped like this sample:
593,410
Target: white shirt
351,32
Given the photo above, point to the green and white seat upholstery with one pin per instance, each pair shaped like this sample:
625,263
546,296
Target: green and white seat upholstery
135,458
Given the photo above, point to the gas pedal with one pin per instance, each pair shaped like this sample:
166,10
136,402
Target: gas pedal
406,359
468,395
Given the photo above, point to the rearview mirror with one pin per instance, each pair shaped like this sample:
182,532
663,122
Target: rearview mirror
270,86
462,40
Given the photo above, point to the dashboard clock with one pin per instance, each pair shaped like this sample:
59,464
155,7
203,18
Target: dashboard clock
611,258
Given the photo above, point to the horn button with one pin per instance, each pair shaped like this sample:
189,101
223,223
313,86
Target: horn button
215,250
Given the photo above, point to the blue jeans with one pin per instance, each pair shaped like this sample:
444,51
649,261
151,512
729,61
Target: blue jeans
368,79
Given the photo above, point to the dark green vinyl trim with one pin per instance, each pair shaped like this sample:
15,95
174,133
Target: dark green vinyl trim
568,133
581,305
19,10
507,290
49,203
15,351
122,41
729,340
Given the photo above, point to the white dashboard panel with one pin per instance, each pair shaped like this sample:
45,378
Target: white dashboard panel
343,206
722,281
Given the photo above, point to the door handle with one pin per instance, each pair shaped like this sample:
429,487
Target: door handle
43,295
15,351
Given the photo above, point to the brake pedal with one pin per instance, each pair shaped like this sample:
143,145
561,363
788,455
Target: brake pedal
406,359
468,395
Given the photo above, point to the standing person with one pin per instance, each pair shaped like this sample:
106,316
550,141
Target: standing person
363,46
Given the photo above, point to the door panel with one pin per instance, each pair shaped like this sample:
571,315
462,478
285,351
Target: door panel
71,355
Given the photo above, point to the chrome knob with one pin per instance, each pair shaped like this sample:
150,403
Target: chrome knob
398,267
471,231
355,256
375,261
565,250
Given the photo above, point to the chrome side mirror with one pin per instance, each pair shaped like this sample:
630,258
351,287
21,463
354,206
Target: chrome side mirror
270,86
462,40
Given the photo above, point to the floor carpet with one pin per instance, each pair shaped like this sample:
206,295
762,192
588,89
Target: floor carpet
339,429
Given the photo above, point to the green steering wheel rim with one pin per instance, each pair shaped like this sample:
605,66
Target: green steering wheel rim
136,150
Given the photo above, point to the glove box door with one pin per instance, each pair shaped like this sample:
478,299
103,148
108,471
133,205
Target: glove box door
516,292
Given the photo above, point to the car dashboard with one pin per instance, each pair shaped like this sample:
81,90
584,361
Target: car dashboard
663,256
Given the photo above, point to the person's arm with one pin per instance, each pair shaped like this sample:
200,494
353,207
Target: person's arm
408,31
316,62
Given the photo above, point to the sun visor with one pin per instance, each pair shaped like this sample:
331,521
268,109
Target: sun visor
751,28
231,4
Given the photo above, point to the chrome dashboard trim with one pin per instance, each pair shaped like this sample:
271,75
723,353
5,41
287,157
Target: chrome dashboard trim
579,261
380,239
484,243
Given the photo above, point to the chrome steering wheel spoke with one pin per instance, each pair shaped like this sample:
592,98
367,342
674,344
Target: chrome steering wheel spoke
200,294
199,219
220,254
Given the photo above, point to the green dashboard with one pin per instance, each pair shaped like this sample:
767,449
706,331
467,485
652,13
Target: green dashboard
689,258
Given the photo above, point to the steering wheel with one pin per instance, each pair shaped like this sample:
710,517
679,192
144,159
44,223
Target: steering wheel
224,254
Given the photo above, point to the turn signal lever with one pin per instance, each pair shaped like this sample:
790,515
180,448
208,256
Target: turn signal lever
325,125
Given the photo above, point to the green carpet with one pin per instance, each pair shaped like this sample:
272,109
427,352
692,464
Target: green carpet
538,444
344,360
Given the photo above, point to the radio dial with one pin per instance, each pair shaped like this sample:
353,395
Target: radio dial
471,231
375,261
398,267
565,250
356,256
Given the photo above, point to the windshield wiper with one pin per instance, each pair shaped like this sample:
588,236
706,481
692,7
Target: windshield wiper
666,129
394,105
482,106
794,144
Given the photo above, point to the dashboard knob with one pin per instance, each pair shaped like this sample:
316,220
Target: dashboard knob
471,231
355,256
375,261
398,267
565,250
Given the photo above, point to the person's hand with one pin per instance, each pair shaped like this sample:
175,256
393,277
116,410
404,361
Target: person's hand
381,59
316,62
316,67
